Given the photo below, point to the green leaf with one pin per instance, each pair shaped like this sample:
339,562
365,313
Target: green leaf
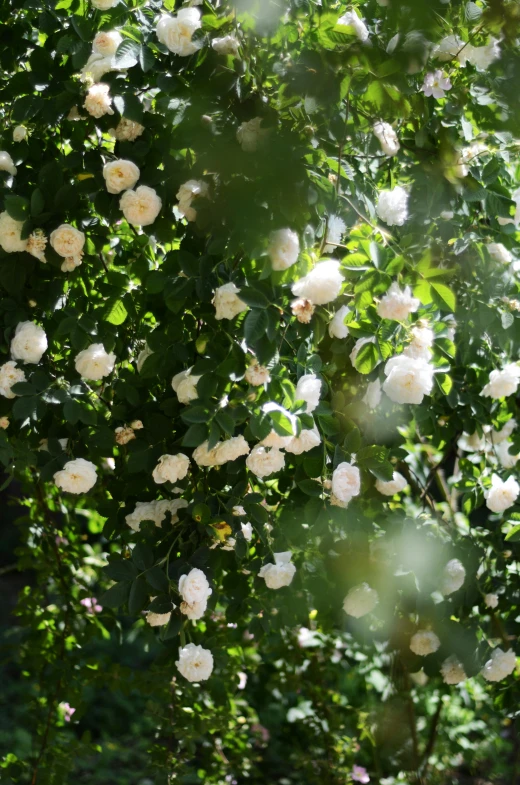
310,487
37,202
195,435
146,58
281,423
161,604
116,595
17,207
198,414
121,570
157,579
173,627
367,358
443,296
128,54
142,556
514,534
138,595
226,422
253,297
255,325
117,313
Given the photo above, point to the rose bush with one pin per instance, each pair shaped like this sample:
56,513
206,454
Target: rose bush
260,334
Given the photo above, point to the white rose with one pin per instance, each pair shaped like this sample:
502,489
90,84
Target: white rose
307,440
4,423
408,379
140,207
247,531
336,228
453,671
194,587
505,432
126,130
392,206
228,45
280,573
419,678
453,577
106,42
185,386
95,363
204,457
491,600
70,263
447,215
10,234
421,343
171,468
194,611
155,511
351,19
452,47
507,460
499,253
360,600
501,495
189,191
176,32
284,249
387,138
337,326
120,175
231,449
104,5
263,462
346,482
195,663
424,642
471,442
482,56
158,619
308,389
67,241
501,664
96,67
397,304
322,285
7,163
29,342
227,303
124,435
373,395
274,439
502,383
250,135
36,245
77,476
19,133
9,375
98,101
257,374
397,484
303,310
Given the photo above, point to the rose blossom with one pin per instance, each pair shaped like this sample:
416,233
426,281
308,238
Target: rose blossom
155,511
502,383
453,671
322,285
360,600
120,175
95,363
424,642
250,135
195,663
176,32
6,163
373,395
280,573
351,19
228,45
126,130
19,133
408,379
397,304
257,374
346,482
387,138
11,234
435,84
10,375
140,207
392,206
227,302
29,343
263,462
397,484
501,495
453,577
77,476
491,600
194,587
171,468
189,191
106,42
307,440
67,241
303,310
500,666
308,389
185,386
337,327
284,249
98,101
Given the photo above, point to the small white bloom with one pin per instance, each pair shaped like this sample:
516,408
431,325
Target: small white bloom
238,510
194,587
185,386
70,263
421,343
9,375
227,302
284,248
11,234
67,241
408,379
491,600
29,343
303,310
274,439
36,245
105,42
387,138
171,468
158,619
452,671
447,215
308,389
346,482
392,206
227,45
19,133
360,600
257,374
453,577
436,84
96,67
263,462
4,422
397,304
250,135
77,476
419,678
351,19
98,101
195,663
482,56
247,531
505,432
280,573
95,363
499,253
336,228
507,460
452,47
186,194
194,611
397,484
126,130
120,175
471,442
7,163
337,326
104,5
155,511
502,383
500,666
501,495
424,642
322,285
307,440
124,435
141,207
176,32
373,395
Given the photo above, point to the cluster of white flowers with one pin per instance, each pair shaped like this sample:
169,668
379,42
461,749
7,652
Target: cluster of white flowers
29,343
195,663
222,452
280,573
346,483
500,666
322,285
120,175
408,379
176,32
392,206
126,130
142,206
186,194
284,249
501,495
171,468
360,600
77,476
351,19
387,138
95,362
98,101
185,385
424,642
397,304
227,302
251,135
9,376
390,487
195,592
307,440
452,671
101,60
155,511
68,242
453,47
453,577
